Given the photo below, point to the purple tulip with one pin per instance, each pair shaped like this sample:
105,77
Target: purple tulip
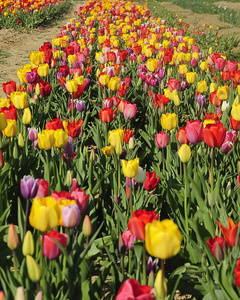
201,100
69,149
31,77
71,215
33,133
29,187
80,105
151,265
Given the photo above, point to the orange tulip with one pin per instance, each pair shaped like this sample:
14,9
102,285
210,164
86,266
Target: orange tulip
230,232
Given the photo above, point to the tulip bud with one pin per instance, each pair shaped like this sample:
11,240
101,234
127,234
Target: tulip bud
34,271
151,279
20,140
218,252
20,295
69,179
1,160
85,152
37,89
87,226
28,244
228,189
131,143
92,155
118,148
15,151
74,185
13,240
121,245
39,296
116,198
160,288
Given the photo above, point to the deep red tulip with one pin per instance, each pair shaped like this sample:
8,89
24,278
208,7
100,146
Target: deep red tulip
216,246
151,181
64,70
45,88
213,134
132,289
138,221
193,131
50,248
230,232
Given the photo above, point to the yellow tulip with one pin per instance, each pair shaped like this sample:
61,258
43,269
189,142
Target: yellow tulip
80,79
113,83
43,70
175,98
148,52
203,65
56,42
223,92
202,86
46,139
212,87
3,121
27,116
72,58
19,99
152,65
114,136
160,288
37,57
130,167
184,153
169,121
182,69
21,74
4,102
235,112
28,244
45,213
162,238
238,89
108,150
72,85
104,79
61,138
191,77
12,129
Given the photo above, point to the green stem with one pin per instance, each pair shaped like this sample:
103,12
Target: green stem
212,163
144,281
185,200
15,264
48,170
131,198
41,259
60,162
26,218
122,264
1,203
119,172
106,134
162,281
163,160
129,261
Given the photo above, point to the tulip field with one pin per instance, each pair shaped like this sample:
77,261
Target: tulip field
120,161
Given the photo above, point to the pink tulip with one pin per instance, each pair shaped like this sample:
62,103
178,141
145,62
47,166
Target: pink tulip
82,199
231,65
174,84
193,131
129,110
162,139
128,239
220,64
71,215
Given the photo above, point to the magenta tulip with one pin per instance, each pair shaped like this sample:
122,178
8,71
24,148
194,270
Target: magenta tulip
193,131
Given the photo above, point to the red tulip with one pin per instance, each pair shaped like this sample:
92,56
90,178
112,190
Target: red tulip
214,100
151,181
132,289
160,101
43,188
64,70
9,112
237,273
54,124
127,135
45,88
107,115
216,246
174,84
193,131
181,135
235,125
74,128
9,87
230,232
213,134
50,248
61,195
138,221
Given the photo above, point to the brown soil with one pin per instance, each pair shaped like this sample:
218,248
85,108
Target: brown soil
17,46
197,20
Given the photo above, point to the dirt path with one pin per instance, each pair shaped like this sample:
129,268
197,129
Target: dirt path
197,20
18,46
